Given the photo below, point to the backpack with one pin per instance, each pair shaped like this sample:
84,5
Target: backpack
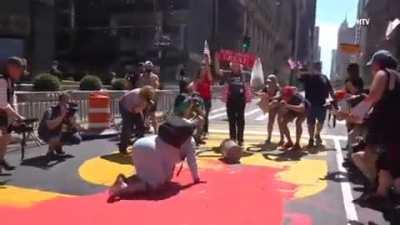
43,130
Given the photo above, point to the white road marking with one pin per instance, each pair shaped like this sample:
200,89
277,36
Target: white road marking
248,132
350,209
219,115
262,117
254,111
218,110
216,116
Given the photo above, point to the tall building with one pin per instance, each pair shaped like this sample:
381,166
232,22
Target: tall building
272,33
346,35
380,13
26,29
333,73
305,19
316,48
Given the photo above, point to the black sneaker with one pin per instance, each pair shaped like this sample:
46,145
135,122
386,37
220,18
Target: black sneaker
59,151
311,143
6,166
51,155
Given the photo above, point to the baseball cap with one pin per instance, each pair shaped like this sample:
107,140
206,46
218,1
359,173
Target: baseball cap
272,78
21,62
148,63
384,57
289,91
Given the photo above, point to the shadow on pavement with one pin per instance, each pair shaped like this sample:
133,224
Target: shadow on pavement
44,162
266,147
3,182
285,156
118,158
317,149
336,177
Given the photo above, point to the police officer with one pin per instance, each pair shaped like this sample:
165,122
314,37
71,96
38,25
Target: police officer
13,70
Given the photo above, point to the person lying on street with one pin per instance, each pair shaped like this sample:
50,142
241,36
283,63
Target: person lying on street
155,157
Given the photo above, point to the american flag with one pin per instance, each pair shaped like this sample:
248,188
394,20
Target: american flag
292,64
207,50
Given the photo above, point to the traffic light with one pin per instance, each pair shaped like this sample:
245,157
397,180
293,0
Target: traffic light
246,43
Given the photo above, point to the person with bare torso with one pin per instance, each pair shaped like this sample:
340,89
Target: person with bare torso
148,78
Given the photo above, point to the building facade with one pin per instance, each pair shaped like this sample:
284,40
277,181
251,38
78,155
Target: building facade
380,13
316,48
26,29
346,35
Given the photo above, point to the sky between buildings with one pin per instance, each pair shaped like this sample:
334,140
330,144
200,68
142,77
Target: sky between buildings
330,14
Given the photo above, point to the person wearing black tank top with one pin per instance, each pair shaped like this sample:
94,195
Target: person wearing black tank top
383,122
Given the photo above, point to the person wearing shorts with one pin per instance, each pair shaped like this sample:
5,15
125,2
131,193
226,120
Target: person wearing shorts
317,89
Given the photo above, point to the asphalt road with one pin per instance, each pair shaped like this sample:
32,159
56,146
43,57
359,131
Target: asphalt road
316,186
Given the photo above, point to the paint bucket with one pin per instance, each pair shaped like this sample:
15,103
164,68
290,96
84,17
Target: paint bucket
231,151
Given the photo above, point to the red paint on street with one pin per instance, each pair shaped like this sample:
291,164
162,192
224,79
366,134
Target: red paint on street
241,195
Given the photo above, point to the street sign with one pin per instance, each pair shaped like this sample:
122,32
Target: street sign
246,59
350,48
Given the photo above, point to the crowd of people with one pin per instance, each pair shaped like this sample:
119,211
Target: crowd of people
372,117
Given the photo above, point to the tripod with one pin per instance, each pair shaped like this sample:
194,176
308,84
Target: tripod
25,128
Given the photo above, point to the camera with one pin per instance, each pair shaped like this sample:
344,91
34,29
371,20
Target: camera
72,109
24,126
197,101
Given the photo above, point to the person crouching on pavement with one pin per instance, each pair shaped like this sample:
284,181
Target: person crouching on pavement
13,71
155,157
293,107
132,106
198,111
59,126
237,95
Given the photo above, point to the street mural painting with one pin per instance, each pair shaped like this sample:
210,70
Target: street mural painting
253,192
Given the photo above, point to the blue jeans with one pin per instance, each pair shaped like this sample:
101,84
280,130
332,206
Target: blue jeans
129,120
71,138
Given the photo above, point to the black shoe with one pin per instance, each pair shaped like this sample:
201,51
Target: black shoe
6,166
59,151
240,143
311,143
51,155
123,151
318,140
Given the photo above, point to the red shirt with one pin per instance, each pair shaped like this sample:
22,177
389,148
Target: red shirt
203,87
